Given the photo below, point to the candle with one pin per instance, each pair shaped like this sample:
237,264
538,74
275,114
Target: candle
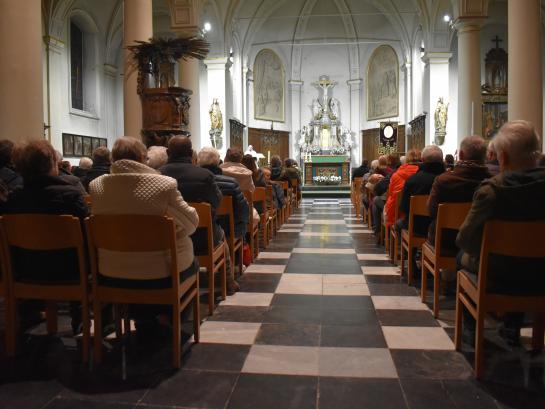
472,117
269,157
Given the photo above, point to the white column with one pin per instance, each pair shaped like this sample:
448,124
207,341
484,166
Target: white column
355,117
248,101
407,69
188,78
295,93
216,68
137,26
469,77
438,87
525,93
56,91
110,105
21,80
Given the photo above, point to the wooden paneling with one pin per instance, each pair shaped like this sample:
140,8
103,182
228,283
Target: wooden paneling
417,139
279,144
370,142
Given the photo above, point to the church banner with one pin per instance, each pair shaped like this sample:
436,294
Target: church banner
387,138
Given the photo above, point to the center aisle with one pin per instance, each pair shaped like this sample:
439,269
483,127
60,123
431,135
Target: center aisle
322,321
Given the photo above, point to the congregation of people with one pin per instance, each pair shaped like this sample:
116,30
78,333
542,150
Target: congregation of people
135,180
503,179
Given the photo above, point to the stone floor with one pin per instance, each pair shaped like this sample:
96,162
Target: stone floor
323,320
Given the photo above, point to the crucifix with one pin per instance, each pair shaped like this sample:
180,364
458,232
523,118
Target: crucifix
497,40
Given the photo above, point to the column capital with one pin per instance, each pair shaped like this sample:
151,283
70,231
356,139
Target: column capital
110,70
469,23
295,83
220,63
54,44
436,58
185,16
354,84
407,66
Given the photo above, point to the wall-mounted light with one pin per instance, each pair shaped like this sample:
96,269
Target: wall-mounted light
207,27
446,18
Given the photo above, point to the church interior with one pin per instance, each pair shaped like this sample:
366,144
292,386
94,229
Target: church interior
357,219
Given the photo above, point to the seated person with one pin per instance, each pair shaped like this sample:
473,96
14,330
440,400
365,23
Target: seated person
257,175
46,193
157,156
361,170
277,170
459,185
492,159
278,192
66,175
234,168
209,158
291,171
102,160
81,170
9,178
449,162
397,182
420,184
517,193
134,188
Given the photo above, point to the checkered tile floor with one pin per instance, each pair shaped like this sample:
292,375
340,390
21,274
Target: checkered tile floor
323,320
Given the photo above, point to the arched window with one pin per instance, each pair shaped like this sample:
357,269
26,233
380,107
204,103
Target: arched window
76,65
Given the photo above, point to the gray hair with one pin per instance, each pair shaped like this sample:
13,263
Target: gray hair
519,141
157,156
374,164
208,156
473,148
432,154
403,159
85,163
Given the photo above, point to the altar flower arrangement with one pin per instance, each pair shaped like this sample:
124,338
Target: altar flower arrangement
326,180
338,150
315,150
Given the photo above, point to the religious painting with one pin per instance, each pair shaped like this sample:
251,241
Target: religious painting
268,87
383,84
95,143
67,144
87,146
103,142
494,116
78,145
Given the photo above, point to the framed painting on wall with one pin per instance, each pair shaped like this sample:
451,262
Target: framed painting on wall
87,146
67,144
494,116
78,145
383,84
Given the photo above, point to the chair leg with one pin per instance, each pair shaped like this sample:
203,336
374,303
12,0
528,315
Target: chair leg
51,317
436,286
479,338
240,261
424,281
117,320
176,335
538,333
402,259
211,288
410,265
97,312
223,273
458,319
86,322
196,314
11,326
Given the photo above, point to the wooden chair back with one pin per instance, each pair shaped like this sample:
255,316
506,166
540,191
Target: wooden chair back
260,196
418,207
225,210
449,216
44,232
253,228
88,200
204,210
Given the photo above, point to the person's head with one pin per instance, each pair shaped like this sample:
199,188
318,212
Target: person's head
365,163
432,154
374,165
276,162
35,159
6,150
413,156
66,165
233,155
85,163
58,158
402,159
157,156
249,162
517,146
266,173
472,148
129,148
208,156
491,155
180,147
382,161
541,162
289,163
449,159
102,156
393,161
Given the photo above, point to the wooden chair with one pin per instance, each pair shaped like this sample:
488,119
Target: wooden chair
449,216
280,213
370,197
297,191
225,209
409,240
260,200
214,260
394,235
140,233
356,196
253,228
4,293
288,194
500,238
88,200
37,232
272,212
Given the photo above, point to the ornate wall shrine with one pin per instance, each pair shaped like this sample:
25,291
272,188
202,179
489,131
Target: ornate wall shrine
417,138
371,142
236,134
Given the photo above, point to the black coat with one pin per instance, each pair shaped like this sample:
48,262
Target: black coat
12,179
196,185
420,184
277,174
47,195
93,173
71,179
229,187
359,171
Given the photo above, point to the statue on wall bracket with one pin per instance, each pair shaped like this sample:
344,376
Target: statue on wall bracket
441,117
216,124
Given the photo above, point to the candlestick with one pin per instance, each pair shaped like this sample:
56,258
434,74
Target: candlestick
268,157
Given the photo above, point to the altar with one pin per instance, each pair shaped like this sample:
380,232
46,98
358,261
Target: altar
325,145
325,166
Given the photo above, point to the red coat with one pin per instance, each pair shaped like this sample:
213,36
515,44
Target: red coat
397,182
